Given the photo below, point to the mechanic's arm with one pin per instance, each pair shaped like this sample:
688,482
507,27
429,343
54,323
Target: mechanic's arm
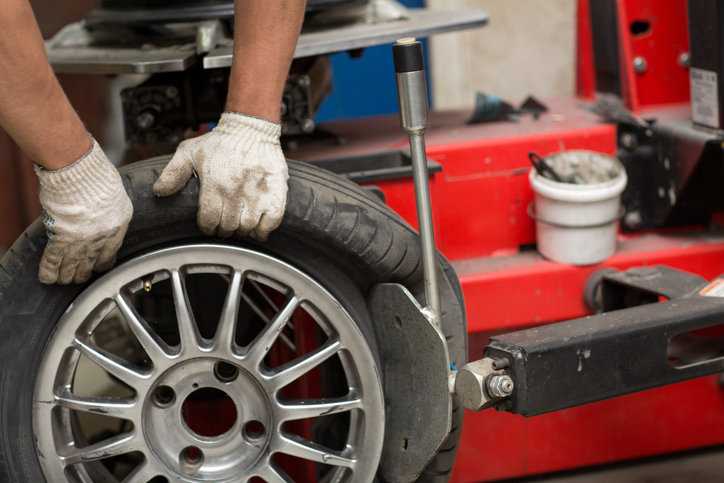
32,103
85,209
265,36
241,168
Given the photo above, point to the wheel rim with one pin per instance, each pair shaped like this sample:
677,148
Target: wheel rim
158,428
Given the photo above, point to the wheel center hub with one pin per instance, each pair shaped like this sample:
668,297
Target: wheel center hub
209,412
207,419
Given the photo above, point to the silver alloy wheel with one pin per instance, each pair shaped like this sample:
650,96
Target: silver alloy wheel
158,429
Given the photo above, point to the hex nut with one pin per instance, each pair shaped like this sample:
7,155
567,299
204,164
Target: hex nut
500,386
640,65
633,220
470,384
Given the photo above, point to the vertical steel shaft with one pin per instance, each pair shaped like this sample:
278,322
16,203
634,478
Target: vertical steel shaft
424,221
414,117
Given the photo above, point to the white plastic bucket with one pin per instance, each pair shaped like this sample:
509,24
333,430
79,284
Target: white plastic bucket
577,223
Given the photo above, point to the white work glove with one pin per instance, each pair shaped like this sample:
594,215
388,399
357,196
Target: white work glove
86,212
242,172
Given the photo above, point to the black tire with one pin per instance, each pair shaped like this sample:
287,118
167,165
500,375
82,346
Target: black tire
333,230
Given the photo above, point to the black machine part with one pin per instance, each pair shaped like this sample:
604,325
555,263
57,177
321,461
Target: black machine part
160,110
674,173
630,348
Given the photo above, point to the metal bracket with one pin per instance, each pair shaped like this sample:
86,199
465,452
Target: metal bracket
619,352
609,289
418,403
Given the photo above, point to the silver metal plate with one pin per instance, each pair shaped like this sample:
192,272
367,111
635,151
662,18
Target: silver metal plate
75,49
418,402
420,23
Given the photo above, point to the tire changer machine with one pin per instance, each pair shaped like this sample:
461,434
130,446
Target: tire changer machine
550,342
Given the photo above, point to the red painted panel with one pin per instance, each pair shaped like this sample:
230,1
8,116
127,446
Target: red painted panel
523,290
585,68
501,445
665,80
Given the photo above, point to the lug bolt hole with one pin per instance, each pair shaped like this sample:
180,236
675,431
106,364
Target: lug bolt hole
254,431
226,372
191,458
164,396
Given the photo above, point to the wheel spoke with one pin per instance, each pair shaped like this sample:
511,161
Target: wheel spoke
143,473
263,342
313,408
294,445
272,473
264,295
260,313
295,369
227,322
115,407
156,348
120,444
187,329
115,366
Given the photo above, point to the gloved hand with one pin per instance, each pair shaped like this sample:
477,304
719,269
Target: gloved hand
243,176
86,212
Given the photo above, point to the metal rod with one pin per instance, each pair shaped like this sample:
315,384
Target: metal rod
425,224
414,118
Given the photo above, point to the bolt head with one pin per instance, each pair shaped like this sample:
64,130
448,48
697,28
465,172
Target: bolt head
308,126
684,60
171,92
507,386
500,386
633,219
640,65
145,120
629,141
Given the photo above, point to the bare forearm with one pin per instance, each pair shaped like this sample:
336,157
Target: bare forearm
265,35
33,108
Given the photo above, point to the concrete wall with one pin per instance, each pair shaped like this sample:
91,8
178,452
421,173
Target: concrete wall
527,48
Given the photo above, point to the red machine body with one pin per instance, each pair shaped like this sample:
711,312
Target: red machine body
479,205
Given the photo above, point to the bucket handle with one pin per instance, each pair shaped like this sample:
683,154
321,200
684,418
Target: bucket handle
621,212
542,167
